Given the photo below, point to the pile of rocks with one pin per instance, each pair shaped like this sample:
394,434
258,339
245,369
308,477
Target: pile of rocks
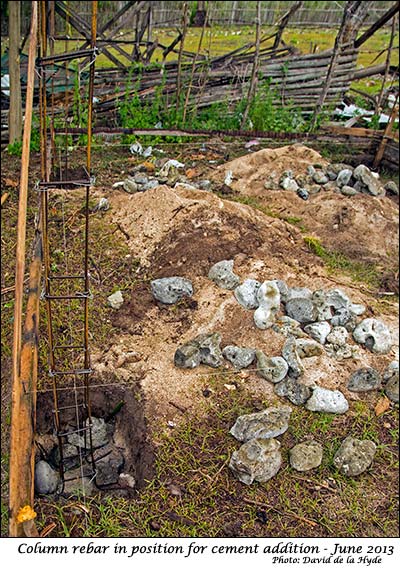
338,177
78,472
259,458
315,323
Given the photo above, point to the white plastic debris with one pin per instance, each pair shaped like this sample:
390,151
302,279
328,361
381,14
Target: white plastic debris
118,184
172,163
147,152
136,148
228,178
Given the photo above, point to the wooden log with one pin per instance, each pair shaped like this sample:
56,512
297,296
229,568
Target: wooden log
377,25
386,135
20,463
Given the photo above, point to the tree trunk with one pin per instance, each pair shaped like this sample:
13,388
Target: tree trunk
15,112
200,16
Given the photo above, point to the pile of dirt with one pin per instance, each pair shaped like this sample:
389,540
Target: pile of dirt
358,226
183,232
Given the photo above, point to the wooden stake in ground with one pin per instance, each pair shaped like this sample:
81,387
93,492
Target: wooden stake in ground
21,483
254,73
386,134
15,112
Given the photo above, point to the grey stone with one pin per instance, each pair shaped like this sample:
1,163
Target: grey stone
269,301
343,178
115,300
305,456
187,356
364,379
337,167
391,378
314,188
98,431
310,170
320,177
344,318
348,190
288,327
330,186
330,174
318,331
296,392
205,185
290,184
330,401
363,174
153,183
290,354
141,178
46,479
246,293
257,460
341,352
298,293
338,336
269,423
273,369
239,357
126,481
392,188
303,193
301,309
129,185
71,456
337,299
354,456
170,290
374,335
283,289
322,309
307,348
222,274
76,485
357,309
109,461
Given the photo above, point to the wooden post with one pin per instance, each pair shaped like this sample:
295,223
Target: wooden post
254,73
386,134
21,419
15,112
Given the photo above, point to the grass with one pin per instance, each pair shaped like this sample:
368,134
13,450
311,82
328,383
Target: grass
359,271
194,494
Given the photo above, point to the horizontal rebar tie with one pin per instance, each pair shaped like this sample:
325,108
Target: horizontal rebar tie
83,295
72,371
72,407
60,277
89,474
70,432
45,186
50,59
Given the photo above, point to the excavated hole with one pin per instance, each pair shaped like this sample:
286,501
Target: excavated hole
125,438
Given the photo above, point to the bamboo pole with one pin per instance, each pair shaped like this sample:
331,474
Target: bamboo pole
20,470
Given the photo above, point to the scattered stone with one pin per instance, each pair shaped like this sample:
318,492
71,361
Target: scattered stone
115,300
246,293
330,401
269,301
330,186
290,354
337,167
222,274
392,188
374,334
348,190
262,425
318,331
343,178
170,290
354,456
283,289
109,461
307,348
46,479
239,357
140,178
76,485
301,309
153,183
296,392
320,177
288,327
102,206
364,379
341,352
305,456
273,369
344,318
99,434
205,185
303,193
310,170
322,308
391,377
126,481
204,349
364,175
298,293
288,183
70,456
130,185
257,460
338,336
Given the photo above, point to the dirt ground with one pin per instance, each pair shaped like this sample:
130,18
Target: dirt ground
181,231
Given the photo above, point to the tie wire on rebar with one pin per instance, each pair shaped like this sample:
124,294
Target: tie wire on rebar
80,373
